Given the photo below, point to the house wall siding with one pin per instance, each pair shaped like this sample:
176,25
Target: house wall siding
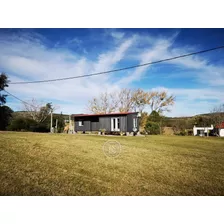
105,123
130,122
126,123
95,126
85,127
123,123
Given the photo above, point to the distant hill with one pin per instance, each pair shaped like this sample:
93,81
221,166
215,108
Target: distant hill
202,115
20,113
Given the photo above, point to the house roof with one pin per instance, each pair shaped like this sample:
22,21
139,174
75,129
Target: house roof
221,125
108,114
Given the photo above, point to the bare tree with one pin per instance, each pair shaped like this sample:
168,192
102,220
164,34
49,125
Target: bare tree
127,100
143,120
105,103
124,100
140,99
160,101
217,115
37,111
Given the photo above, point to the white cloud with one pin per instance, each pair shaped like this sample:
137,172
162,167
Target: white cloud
149,55
117,34
191,101
32,61
28,58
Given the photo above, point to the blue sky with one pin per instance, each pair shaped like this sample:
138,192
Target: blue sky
35,54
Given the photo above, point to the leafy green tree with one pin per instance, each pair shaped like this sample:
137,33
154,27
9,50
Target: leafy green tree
5,117
152,128
154,123
155,117
3,83
5,112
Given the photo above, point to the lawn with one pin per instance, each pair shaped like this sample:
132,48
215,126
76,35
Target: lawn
60,164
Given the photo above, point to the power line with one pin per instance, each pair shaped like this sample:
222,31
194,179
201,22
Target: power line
120,69
31,106
18,98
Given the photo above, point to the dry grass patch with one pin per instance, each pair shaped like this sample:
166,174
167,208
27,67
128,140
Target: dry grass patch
60,164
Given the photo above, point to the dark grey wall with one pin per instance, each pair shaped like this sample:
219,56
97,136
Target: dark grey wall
77,127
104,122
130,122
123,125
85,127
95,126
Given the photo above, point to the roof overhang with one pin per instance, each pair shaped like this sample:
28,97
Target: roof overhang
220,126
98,115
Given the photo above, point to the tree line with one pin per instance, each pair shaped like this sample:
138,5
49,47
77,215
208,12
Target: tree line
150,104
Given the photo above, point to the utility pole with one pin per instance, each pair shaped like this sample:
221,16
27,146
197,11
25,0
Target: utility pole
70,122
56,126
51,121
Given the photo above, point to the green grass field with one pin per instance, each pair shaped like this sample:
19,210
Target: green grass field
59,164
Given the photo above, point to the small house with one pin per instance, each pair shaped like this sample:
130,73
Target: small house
127,122
220,129
202,131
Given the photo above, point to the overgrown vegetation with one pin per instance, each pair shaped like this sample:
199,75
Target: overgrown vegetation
52,164
21,121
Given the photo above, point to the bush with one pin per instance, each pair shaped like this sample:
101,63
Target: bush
182,133
152,128
20,124
26,124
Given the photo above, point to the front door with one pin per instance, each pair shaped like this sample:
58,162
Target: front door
115,124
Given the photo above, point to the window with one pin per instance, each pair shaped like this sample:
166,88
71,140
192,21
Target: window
81,123
114,124
135,122
118,123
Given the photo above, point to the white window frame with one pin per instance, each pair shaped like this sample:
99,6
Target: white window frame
116,124
135,124
81,123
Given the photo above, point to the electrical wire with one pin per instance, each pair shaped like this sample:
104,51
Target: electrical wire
18,98
120,69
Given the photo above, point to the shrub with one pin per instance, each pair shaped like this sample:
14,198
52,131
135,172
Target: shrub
152,128
182,133
20,124
26,124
